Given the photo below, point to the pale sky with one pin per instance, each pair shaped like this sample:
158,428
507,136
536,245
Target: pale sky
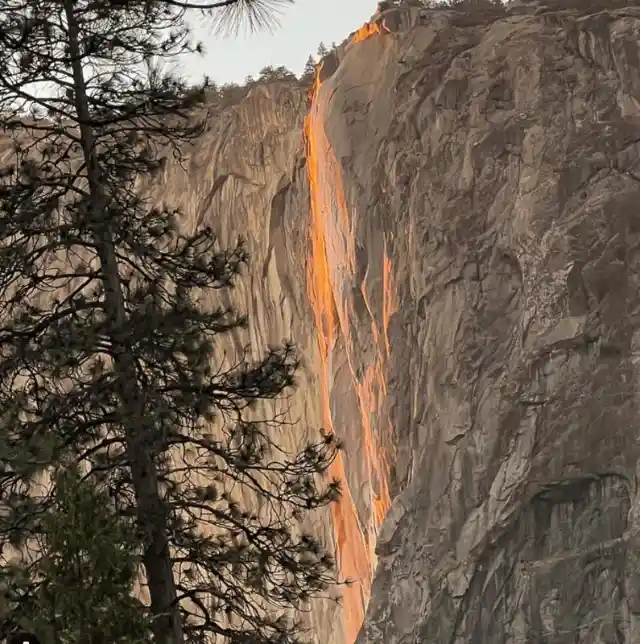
302,26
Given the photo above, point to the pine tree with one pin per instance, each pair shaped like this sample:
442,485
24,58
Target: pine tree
106,347
270,74
322,51
84,573
309,68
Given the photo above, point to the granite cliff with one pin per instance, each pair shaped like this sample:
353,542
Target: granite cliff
450,232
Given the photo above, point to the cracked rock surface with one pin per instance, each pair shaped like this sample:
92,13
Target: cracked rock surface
504,151
496,158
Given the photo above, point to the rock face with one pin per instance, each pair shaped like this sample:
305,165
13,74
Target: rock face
501,155
452,238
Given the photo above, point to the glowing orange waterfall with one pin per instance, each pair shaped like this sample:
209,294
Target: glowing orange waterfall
333,256
367,30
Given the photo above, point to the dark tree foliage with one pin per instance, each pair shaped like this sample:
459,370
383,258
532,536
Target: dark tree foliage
107,352
308,73
322,50
82,583
271,74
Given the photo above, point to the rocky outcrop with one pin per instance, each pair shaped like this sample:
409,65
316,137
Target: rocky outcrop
452,239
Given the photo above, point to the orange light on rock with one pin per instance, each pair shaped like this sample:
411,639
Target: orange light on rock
333,255
366,31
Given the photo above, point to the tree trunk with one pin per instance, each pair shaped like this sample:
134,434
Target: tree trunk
150,507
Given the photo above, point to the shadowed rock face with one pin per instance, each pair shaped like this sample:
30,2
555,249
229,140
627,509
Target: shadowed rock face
452,239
